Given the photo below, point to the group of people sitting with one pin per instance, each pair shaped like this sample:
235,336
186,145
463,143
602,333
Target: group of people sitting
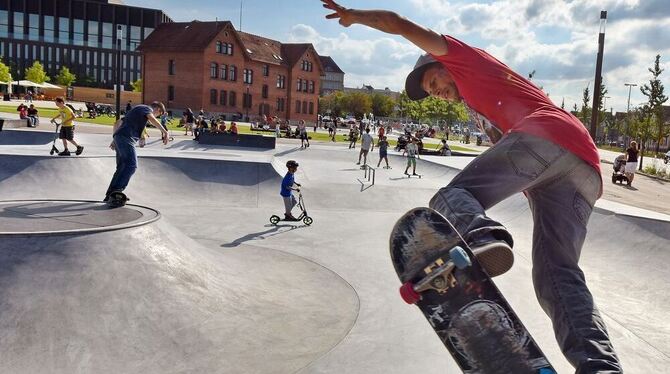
29,113
199,124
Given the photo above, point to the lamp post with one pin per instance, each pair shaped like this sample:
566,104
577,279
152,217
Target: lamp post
117,73
630,87
599,67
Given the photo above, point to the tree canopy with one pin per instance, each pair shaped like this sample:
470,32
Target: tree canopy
65,77
36,73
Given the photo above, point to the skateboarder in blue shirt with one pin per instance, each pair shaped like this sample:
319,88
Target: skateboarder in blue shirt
127,132
287,188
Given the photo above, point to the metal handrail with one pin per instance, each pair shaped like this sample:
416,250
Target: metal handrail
372,174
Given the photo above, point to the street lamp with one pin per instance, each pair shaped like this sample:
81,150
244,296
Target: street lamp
599,67
119,37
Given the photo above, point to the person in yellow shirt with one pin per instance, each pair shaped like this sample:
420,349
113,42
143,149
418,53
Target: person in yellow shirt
67,127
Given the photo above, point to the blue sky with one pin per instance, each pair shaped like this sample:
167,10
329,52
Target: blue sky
556,38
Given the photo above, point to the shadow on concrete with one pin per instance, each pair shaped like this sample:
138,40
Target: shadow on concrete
273,231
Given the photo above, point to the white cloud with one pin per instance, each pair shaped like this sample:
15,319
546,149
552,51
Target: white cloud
382,62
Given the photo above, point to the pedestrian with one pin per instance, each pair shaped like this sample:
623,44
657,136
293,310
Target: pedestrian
367,145
380,132
539,149
412,151
189,121
33,116
288,185
383,145
127,132
303,134
631,162
129,106
66,133
353,137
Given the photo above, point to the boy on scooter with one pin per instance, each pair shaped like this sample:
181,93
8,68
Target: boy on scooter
287,188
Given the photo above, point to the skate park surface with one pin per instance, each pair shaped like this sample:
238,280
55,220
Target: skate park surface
199,281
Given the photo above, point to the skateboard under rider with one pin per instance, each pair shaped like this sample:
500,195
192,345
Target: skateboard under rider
117,199
441,275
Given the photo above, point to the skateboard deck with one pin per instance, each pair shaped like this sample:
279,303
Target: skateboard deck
467,311
117,199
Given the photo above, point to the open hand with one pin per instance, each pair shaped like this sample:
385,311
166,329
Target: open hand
112,146
344,14
166,138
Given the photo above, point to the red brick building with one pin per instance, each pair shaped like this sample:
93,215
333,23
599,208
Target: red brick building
212,66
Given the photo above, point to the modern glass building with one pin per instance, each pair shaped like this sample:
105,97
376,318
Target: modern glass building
79,34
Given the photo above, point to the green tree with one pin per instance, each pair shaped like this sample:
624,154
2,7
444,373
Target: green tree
86,81
36,73
332,104
65,77
5,75
137,85
357,103
382,105
654,91
586,110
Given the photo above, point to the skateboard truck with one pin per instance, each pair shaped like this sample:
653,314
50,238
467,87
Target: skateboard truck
439,276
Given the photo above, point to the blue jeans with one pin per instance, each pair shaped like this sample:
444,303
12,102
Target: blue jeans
126,163
562,190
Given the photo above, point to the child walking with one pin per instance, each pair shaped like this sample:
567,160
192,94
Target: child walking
383,145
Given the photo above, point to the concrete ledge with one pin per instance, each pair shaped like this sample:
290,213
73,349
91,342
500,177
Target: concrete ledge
12,123
239,140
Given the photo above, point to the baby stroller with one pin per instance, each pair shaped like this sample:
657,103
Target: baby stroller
619,175
402,142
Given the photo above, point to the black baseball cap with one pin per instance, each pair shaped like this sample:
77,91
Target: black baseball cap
413,81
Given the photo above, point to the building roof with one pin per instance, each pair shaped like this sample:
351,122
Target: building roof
196,36
182,36
262,49
330,65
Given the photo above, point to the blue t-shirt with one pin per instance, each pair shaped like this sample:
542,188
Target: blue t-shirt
135,121
286,185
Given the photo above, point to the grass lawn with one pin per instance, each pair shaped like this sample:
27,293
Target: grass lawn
47,113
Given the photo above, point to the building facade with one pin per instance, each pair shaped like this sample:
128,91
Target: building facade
77,34
333,80
212,66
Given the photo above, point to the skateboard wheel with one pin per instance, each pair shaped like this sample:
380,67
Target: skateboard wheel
307,220
408,294
460,257
274,220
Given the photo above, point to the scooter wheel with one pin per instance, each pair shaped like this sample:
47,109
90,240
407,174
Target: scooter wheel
274,220
460,257
307,220
408,294
51,152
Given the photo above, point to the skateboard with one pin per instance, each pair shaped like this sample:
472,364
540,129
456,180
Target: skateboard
117,199
413,175
442,277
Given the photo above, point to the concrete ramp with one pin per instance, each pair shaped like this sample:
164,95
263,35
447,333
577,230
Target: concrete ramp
147,299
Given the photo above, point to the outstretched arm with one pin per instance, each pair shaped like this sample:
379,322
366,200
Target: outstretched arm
391,23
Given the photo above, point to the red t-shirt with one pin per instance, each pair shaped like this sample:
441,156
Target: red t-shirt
512,103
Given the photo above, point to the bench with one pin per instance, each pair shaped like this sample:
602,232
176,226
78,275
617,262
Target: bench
237,140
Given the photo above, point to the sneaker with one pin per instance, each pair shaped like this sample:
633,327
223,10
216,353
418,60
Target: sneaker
80,149
289,217
64,153
358,163
496,256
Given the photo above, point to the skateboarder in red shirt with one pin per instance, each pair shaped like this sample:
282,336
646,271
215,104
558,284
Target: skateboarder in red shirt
539,149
